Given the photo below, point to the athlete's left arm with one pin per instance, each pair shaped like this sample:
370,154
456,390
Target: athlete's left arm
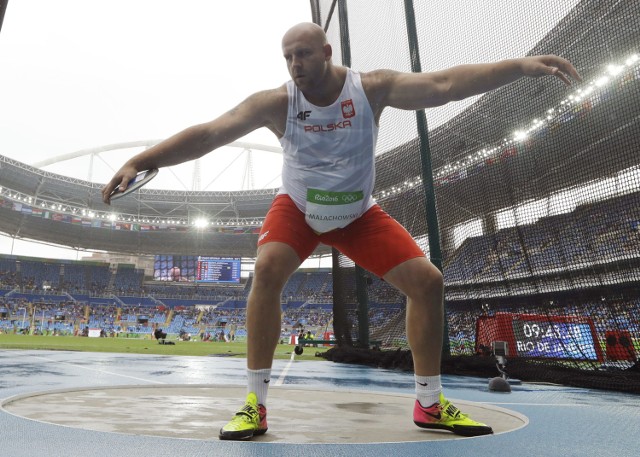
412,91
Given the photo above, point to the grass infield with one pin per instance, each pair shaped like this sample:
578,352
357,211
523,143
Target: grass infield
146,346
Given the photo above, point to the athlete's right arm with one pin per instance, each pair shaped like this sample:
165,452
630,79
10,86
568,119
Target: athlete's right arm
256,111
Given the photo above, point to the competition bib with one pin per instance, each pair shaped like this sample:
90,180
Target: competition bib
326,210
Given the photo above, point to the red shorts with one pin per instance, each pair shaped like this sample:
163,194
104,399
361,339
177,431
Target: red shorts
375,241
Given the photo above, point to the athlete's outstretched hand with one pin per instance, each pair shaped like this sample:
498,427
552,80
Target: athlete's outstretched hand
121,179
550,65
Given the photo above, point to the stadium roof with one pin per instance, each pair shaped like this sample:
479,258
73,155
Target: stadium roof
70,212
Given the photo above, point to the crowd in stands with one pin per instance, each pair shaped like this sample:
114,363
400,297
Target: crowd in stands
225,322
592,234
52,317
8,279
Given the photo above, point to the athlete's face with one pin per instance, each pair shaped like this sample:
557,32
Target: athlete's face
307,58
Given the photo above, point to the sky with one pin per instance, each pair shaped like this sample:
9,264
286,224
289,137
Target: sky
80,74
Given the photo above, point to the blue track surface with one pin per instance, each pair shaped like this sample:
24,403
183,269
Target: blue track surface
563,421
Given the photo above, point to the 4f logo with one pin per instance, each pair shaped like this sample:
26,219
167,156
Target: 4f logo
303,115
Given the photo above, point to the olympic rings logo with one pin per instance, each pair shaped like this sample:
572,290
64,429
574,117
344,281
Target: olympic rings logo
350,198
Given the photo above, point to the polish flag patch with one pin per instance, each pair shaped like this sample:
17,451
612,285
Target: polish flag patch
348,110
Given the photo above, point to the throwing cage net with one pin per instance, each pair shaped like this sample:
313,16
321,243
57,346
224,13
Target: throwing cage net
527,197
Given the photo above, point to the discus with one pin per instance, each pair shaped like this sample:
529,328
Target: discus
136,183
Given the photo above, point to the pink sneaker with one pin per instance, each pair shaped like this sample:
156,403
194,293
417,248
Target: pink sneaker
444,416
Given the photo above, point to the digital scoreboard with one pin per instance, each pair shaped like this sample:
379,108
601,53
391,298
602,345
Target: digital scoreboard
199,269
556,340
218,270
543,336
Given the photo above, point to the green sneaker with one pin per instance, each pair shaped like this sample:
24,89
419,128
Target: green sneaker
444,416
250,421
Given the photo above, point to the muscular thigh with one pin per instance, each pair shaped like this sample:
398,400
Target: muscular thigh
285,223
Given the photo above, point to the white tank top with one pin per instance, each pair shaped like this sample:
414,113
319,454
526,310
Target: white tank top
328,168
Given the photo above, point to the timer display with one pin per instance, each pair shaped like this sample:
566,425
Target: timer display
539,335
558,340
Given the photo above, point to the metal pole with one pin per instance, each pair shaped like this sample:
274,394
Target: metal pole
33,320
425,156
361,279
345,41
315,11
3,8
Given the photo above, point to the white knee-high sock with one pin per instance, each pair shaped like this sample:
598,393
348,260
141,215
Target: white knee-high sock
428,389
258,383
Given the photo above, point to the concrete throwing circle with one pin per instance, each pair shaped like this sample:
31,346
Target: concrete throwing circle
294,415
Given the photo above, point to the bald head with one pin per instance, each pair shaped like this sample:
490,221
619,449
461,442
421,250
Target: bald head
308,56
308,31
